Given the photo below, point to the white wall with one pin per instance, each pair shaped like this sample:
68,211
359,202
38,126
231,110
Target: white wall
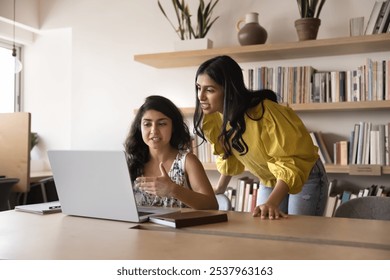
47,90
81,83
26,12
26,20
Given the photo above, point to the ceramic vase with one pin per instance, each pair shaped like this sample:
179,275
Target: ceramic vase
251,33
307,28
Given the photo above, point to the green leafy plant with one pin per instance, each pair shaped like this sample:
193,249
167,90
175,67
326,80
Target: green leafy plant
310,8
34,139
185,29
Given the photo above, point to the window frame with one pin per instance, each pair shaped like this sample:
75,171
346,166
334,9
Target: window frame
18,76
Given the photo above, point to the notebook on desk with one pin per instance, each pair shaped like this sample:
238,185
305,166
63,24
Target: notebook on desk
97,184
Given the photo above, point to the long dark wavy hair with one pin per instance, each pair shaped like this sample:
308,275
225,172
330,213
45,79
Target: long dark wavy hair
237,99
136,149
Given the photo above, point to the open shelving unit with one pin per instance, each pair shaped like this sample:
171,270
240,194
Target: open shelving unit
281,51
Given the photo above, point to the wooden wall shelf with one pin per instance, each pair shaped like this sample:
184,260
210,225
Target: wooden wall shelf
330,168
274,51
342,106
314,107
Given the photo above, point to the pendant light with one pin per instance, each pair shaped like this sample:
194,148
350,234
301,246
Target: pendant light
18,63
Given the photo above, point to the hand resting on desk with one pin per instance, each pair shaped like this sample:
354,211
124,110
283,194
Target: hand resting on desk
268,211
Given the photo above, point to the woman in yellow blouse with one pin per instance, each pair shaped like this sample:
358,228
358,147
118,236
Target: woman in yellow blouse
249,129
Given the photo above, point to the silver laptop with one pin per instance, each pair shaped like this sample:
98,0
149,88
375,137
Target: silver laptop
97,184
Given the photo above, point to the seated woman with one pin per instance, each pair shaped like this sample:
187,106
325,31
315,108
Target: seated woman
158,146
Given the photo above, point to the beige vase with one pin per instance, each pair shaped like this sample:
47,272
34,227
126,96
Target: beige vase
307,28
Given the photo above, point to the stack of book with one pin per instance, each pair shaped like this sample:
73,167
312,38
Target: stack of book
244,196
370,144
202,150
188,218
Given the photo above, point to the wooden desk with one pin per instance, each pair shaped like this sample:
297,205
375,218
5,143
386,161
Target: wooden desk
57,236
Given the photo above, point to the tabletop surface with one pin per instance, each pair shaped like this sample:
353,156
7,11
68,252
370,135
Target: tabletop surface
58,236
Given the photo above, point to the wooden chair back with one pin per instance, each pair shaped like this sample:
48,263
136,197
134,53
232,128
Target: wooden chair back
15,148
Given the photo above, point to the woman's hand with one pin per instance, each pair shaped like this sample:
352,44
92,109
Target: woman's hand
270,211
161,186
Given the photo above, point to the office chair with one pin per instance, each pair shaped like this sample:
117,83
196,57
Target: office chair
6,185
368,207
38,192
224,203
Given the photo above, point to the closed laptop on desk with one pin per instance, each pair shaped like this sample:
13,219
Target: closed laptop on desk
96,184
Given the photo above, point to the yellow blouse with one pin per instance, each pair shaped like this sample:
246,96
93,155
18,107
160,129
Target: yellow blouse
279,146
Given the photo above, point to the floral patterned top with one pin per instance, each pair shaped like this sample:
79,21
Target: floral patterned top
177,175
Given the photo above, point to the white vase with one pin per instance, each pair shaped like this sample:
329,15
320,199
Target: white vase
193,44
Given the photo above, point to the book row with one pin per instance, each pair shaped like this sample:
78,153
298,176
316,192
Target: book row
336,199
202,150
368,144
244,196
304,84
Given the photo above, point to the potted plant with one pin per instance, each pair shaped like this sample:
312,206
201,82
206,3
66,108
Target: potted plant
34,139
184,27
307,26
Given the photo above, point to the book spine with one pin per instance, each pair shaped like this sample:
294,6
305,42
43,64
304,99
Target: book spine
240,194
387,144
355,143
254,196
381,19
373,17
362,127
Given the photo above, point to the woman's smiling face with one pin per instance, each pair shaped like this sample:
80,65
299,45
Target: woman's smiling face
210,94
156,129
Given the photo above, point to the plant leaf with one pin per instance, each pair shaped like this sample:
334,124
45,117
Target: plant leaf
185,29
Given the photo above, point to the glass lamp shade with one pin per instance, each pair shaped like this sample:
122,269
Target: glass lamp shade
18,65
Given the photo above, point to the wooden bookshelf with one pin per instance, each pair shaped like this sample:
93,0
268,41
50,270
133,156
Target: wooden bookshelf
281,51
273,51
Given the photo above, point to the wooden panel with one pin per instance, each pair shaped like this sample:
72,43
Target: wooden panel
15,148
365,170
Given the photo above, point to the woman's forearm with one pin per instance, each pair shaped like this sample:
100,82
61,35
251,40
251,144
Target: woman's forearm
278,193
222,184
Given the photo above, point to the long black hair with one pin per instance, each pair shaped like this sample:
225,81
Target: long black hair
136,149
237,99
